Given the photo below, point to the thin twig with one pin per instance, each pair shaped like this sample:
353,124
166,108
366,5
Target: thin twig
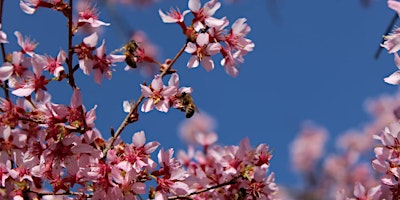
233,181
71,79
137,103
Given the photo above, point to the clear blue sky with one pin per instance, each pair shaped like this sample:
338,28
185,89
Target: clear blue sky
313,60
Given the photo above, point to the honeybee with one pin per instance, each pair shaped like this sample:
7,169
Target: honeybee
130,49
129,52
188,105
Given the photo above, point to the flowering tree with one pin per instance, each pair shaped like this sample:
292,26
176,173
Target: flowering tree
51,150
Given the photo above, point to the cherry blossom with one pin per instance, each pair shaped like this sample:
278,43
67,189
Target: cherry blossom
54,66
26,44
102,63
157,95
85,51
305,156
203,15
173,16
90,16
201,52
392,41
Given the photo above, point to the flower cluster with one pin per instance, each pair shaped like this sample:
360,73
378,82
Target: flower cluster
51,150
208,36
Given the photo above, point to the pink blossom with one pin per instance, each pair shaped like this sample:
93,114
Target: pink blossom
173,16
236,38
26,44
198,130
90,16
101,63
157,95
18,68
203,15
392,43
201,52
136,155
373,193
32,83
305,156
85,53
54,66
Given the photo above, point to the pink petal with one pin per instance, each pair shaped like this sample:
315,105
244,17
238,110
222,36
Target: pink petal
86,66
146,91
151,147
174,80
214,22
157,83
6,71
117,58
359,190
98,23
213,48
202,39
207,63
24,91
166,18
194,5
126,106
190,47
162,106
375,192
211,7
38,63
91,40
98,76
193,62
147,105
239,27
231,71
76,99
169,91
380,166
20,39
62,56
3,37
138,139
101,51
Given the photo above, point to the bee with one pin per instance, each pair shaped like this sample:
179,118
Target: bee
188,105
130,49
129,52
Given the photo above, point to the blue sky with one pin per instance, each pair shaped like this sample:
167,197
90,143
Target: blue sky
313,60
